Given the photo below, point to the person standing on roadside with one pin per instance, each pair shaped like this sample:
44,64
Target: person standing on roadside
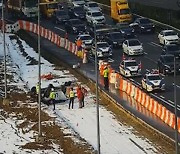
84,92
106,79
52,97
79,95
71,98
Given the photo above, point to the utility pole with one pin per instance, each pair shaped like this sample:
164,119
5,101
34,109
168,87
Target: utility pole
4,48
39,73
97,96
175,108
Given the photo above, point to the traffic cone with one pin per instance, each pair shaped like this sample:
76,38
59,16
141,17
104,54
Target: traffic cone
85,58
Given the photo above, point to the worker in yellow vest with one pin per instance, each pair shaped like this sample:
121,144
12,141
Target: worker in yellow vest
52,96
71,98
106,79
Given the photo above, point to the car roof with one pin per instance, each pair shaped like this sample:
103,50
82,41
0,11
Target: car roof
132,40
94,11
168,31
129,60
101,42
90,2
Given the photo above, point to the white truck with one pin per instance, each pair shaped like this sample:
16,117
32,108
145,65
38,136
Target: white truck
23,8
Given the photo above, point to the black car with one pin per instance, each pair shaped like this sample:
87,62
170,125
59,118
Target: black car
166,64
100,30
143,25
60,16
75,26
77,12
115,39
126,30
172,49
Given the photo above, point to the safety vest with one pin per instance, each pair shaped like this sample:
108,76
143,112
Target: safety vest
52,95
105,73
71,94
37,89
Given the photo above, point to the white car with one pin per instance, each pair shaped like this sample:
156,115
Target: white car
153,81
130,68
77,3
168,37
132,47
92,6
95,17
103,50
87,40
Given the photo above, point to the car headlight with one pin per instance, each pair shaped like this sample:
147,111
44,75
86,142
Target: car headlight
142,27
74,28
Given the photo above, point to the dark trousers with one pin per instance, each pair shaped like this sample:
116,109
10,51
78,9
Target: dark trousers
106,83
71,101
53,102
82,101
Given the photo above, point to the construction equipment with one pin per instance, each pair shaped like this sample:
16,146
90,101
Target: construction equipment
23,8
120,11
47,7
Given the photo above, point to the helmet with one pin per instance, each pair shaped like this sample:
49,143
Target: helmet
52,89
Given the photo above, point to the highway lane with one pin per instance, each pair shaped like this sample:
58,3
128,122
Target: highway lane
149,61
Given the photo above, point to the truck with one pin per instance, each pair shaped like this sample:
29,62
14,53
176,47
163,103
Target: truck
23,8
47,7
120,11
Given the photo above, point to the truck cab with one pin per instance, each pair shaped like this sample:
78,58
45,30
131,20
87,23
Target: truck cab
120,11
47,7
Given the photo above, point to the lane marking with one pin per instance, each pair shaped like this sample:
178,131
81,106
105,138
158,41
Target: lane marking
59,29
162,96
145,53
176,85
153,43
171,101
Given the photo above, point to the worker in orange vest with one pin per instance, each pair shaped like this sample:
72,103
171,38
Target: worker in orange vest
79,44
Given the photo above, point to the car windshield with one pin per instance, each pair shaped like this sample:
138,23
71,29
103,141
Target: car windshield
169,59
132,63
93,5
145,21
76,22
124,11
103,44
96,14
52,6
170,33
78,9
86,37
154,77
116,35
29,3
172,48
134,43
61,13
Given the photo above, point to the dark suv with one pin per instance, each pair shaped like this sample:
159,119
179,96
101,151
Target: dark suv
172,49
115,39
166,64
75,26
144,25
78,12
60,16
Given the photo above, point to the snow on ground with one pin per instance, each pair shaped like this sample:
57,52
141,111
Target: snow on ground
116,138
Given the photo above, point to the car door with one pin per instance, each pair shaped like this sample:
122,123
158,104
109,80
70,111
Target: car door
125,46
88,16
121,68
144,82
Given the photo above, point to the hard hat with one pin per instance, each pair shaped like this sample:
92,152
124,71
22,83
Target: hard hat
52,89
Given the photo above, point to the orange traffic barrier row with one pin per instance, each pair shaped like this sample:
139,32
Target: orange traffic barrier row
131,92
54,38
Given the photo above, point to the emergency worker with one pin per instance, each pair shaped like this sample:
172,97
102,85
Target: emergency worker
106,79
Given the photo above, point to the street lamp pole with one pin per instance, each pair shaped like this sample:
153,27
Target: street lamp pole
4,48
39,72
97,96
175,108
